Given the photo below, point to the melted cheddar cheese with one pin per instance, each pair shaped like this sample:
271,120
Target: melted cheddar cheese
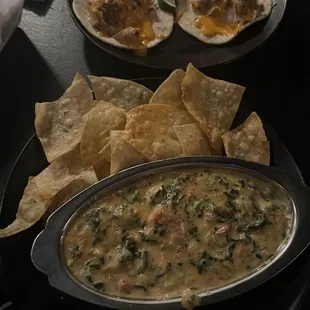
216,23
127,21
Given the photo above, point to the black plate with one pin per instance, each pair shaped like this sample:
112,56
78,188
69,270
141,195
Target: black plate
181,48
39,294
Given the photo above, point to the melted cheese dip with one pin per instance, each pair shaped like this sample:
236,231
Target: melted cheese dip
177,234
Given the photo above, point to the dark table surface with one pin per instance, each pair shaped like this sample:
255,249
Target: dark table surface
47,49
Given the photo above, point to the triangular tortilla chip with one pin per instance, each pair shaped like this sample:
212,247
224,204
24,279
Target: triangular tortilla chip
248,141
102,169
213,103
105,153
60,173
59,124
123,155
149,129
31,208
169,92
73,188
193,140
122,93
103,118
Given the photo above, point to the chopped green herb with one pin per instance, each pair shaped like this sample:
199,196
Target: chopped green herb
203,263
89,278
259,221
159,196
221,181
124,255
160,229
199,207
138,222
242,182
99,286
258,256
76,252
95,263
163,272
94,220
135,197
231,204
231,251
222,214
99,234
194,232
144,261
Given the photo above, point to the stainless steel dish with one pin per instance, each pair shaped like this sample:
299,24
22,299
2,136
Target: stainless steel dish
47,248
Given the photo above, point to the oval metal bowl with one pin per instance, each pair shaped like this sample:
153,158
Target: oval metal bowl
47,250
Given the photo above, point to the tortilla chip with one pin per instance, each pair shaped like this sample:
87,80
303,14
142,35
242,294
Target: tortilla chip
103,118
213,103
59,124
149,129
248,141
60,173
123,155
169,92
31,208
122,93
102,169
73,188
193,140
105,153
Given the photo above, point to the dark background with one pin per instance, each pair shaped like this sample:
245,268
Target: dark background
45,52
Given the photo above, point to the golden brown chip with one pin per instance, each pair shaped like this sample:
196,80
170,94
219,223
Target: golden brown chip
105,153
193,140
31,209
59,124
213,103
122,93
102,169
103,118
169,92
60,173
123,155
73,188
248,141
149,129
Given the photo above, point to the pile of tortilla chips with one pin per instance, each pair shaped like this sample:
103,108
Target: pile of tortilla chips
87,139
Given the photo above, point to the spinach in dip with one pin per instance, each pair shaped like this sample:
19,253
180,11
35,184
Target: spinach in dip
179,233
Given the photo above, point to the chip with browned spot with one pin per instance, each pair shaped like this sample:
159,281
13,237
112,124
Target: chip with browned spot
193,139
213,103
149,129
248,141
62,172
103,118
59,124
169,92
31,209
122,93
123,155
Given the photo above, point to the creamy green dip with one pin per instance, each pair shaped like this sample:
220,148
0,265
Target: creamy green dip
178,234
